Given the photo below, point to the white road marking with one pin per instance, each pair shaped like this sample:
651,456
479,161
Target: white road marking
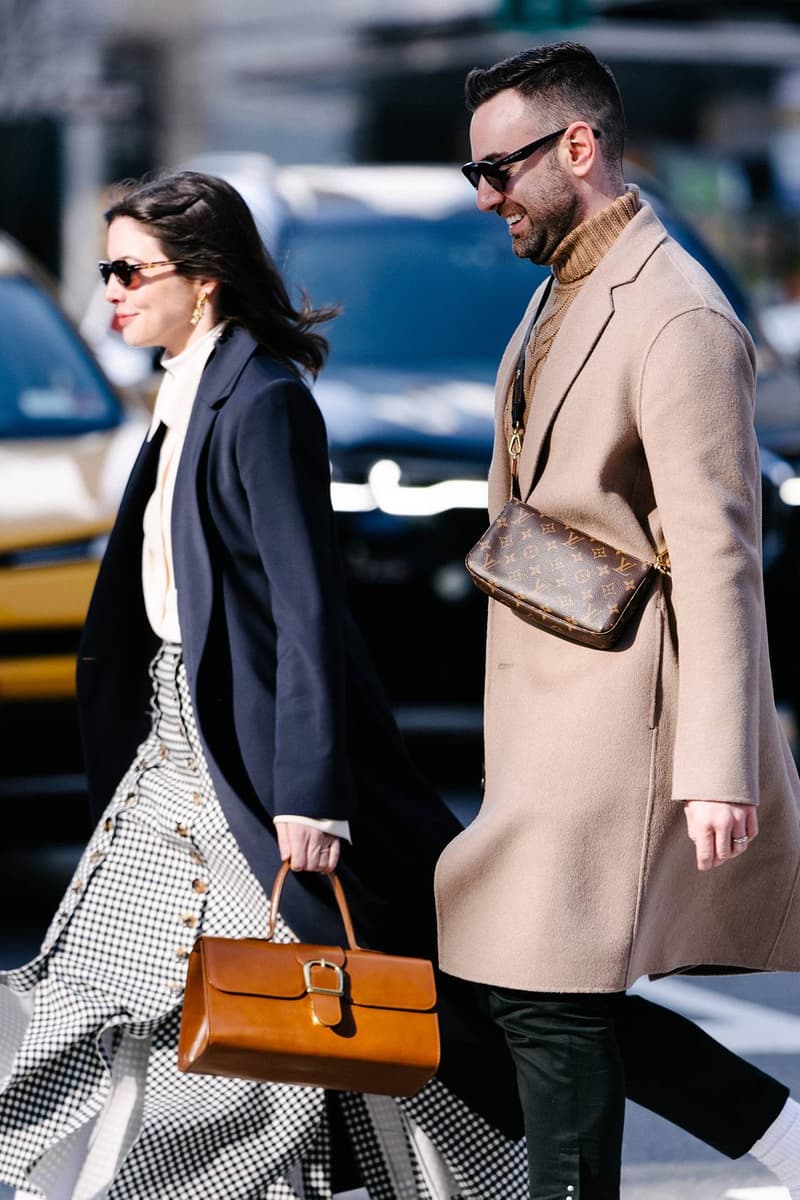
740,1025
767,1193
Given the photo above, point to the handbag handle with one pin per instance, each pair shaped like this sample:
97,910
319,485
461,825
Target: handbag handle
338,891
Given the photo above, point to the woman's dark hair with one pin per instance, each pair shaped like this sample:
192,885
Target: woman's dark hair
207,229
569,80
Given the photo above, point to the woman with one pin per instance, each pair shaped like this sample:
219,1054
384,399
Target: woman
258,733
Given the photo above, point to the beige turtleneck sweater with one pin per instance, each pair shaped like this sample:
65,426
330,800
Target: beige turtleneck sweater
573,260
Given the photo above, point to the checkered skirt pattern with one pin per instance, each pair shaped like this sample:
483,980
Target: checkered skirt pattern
89,1028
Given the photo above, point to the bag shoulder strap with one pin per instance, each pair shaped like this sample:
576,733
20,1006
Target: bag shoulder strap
518,394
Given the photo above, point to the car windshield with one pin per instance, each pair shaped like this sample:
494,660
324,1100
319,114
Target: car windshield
49,385
414,293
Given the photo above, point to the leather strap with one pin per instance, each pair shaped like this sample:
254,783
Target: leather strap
518,395
338,891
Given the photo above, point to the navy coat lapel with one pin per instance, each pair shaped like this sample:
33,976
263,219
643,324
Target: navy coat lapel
190,547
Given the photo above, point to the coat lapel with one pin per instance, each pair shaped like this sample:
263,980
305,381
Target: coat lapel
189,537
580,332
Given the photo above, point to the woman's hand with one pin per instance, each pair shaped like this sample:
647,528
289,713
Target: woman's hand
720,831
307,848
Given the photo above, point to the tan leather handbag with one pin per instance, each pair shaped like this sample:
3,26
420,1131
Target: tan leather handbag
320,1016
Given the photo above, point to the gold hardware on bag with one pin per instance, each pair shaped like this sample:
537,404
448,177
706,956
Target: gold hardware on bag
323,991
662,562
515,442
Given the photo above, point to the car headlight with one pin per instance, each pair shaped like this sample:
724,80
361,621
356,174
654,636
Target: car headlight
383,490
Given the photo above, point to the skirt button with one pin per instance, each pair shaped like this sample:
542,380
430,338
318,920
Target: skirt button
199,885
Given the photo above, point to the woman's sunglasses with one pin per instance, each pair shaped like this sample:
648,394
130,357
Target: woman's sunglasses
126,272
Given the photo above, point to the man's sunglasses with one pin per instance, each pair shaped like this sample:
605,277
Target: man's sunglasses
496,173
125,272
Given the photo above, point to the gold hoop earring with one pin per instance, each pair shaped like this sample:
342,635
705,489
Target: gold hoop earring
199,309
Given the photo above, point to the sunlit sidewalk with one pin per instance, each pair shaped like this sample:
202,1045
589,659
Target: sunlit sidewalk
740,1180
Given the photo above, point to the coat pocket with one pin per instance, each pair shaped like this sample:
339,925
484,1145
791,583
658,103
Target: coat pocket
658,656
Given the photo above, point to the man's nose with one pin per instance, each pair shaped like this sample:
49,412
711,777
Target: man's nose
488,196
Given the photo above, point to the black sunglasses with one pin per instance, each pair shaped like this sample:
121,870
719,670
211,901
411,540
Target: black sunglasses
125,271
496,173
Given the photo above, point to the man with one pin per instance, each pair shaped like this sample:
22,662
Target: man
625,788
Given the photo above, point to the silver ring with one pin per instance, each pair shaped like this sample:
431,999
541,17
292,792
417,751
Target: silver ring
742,841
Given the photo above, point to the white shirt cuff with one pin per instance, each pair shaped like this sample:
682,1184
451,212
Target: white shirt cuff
340,829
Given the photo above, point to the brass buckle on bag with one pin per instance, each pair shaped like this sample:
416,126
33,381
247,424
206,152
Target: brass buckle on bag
323,991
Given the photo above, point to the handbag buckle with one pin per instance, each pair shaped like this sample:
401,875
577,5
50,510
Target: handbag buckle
323,991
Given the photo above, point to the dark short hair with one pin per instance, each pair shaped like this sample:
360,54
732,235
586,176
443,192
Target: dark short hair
204,225
566,77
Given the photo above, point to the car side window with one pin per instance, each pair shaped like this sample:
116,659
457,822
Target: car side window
49,383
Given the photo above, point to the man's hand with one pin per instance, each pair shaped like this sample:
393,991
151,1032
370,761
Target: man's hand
719,831
307,848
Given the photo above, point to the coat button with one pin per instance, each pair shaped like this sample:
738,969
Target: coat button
175,986
181,829
199,885
188,920
95,856
181,952
196,858
130,798
197,798
77,885
108,824
162,751
191,763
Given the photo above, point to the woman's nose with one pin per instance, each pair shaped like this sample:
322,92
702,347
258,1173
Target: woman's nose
114,289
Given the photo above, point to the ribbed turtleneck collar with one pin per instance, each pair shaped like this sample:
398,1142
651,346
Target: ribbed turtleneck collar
577,255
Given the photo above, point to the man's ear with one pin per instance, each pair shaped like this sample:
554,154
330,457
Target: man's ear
582,148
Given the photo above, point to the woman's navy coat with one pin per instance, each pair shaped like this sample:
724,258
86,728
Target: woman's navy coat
289,710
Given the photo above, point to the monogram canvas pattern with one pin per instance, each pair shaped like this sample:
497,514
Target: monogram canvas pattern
557,577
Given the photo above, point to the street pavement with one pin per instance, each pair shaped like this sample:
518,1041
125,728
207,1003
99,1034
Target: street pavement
756,1015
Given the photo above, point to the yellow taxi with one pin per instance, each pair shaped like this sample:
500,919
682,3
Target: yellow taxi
66,447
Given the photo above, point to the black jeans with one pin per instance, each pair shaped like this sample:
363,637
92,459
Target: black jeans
578,1056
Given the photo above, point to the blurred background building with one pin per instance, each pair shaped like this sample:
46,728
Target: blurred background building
92,92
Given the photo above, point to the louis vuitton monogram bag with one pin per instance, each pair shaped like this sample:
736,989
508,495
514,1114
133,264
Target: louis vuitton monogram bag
549,573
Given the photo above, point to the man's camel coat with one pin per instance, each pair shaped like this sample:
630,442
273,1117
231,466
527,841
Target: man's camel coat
578,874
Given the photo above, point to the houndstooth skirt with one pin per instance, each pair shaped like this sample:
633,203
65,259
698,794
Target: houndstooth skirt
91,1102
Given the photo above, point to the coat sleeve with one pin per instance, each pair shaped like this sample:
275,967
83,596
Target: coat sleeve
283,463
696,413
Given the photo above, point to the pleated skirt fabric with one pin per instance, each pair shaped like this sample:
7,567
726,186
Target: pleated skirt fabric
91,1101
